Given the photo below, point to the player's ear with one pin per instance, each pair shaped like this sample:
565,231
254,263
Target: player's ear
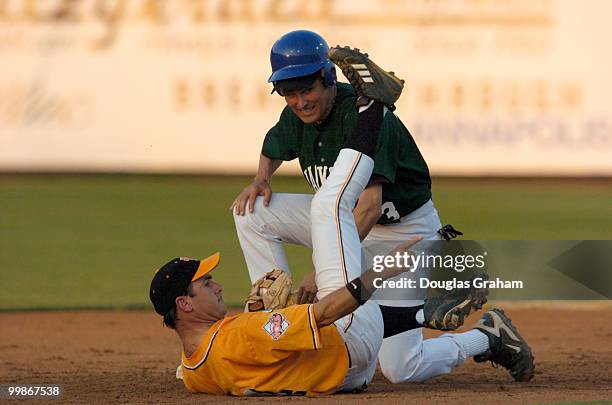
183,303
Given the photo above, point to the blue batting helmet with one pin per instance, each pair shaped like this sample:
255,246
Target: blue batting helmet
301,53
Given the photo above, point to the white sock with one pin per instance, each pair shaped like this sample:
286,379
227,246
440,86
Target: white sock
420,317
473,342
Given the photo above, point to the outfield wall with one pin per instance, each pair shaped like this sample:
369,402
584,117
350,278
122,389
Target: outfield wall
514,87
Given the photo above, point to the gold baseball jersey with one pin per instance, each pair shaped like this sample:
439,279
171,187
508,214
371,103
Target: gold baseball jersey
268,352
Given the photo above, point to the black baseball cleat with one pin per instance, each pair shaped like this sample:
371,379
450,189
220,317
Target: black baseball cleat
506,346
368,79
448,311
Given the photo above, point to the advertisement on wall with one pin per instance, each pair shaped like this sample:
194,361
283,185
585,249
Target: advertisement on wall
492,88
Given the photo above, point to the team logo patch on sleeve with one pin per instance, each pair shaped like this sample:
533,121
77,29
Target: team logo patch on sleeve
276,325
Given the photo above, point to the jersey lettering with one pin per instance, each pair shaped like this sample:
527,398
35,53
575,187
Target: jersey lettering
309,177
388,210
321,173
316,175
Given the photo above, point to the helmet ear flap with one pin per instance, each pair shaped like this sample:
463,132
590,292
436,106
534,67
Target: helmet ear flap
329,75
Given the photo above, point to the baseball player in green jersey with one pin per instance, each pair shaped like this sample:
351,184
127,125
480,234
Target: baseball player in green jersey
395,205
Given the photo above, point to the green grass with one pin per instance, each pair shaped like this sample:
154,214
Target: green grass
94,241
527,209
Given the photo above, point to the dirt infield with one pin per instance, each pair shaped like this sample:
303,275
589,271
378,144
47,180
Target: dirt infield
128,357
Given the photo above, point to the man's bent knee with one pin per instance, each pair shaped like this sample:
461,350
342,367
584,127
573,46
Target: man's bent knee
257,210
397,373
322,207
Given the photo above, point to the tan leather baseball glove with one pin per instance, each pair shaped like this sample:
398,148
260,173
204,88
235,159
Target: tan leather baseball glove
272,291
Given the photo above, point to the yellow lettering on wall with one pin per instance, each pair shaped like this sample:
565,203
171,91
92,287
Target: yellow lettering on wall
110,13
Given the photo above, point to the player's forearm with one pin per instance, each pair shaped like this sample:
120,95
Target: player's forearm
368,209
267,167
365,220
334,306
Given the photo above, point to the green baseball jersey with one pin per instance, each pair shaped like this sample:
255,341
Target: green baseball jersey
398,161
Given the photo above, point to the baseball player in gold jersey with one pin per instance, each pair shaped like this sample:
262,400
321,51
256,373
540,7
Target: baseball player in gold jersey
321,348
296,350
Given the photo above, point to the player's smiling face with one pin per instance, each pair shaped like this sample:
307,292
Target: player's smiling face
313,103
